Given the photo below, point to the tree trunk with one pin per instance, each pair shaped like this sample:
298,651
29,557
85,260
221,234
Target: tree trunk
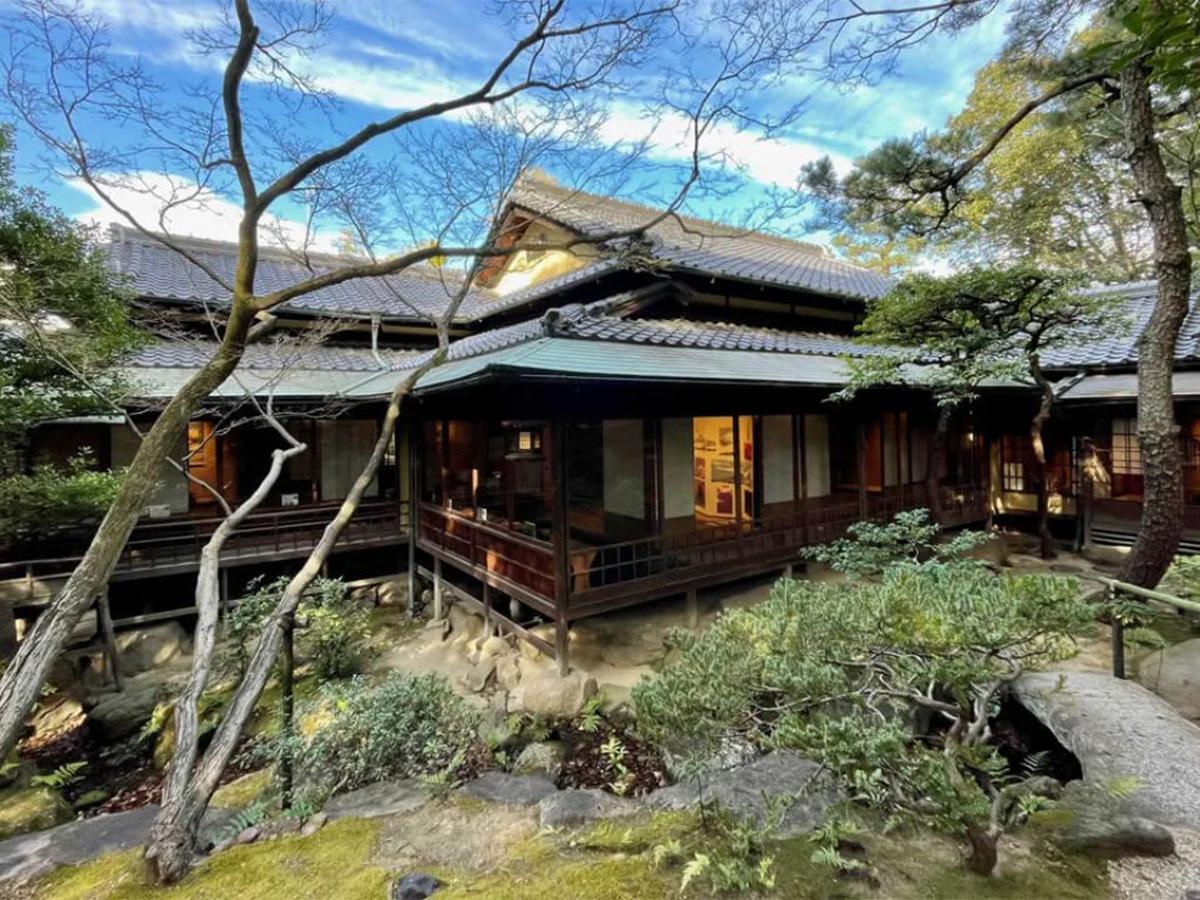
982,841
167,856
1036,428
22,681
1158,432
174,841
933,470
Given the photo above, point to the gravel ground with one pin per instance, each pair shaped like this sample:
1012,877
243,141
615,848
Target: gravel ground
1160,878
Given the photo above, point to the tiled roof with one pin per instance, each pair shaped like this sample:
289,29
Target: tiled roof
417,294
272,355
1134,303
702,246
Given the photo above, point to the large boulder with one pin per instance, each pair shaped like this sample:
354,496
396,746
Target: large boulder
416,886
1095,819
752,791
546,693
577,806
465,626
541,758
143,649
32,809
513,790
1174,674
121,714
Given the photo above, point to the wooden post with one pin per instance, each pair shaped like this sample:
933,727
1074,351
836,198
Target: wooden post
693,610
287,703
487,610
414,493
8,630
863,506
737,472
437,588
800,445
104,623
561,539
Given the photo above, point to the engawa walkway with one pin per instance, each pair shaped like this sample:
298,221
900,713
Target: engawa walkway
1118,729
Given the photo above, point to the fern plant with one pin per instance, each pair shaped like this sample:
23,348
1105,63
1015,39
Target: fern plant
64,776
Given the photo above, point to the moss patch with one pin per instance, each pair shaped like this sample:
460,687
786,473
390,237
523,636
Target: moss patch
241,792
331,863
31,809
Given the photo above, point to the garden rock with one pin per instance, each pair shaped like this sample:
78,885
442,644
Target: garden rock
313,824
508,671
732,751
1091,818
144,649
747,791
416,886
1174,674
118,715
549,694
387,798
513,790
576,806
31,809
541,758
479,676
464,625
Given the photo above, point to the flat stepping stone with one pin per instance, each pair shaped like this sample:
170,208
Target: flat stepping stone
1123,735
29,856
514,790
577,806
747,790
386,798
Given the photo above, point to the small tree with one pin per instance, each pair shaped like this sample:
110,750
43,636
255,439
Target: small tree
889,684
978,325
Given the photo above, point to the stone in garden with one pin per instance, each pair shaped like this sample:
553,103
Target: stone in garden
541,758
747,791
313,824
493,647
479,675
386,798
248,835
513,790
1174,674
576,806
24,810
1096,818
121,714
464,625
546,693
416,886
88,799
63,714
733,750
143,649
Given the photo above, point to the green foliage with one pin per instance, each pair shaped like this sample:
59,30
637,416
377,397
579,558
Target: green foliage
589,717
403,727
842,672
65,322
254,814
734,857
48,499
64,776
911,538
978,324
332,631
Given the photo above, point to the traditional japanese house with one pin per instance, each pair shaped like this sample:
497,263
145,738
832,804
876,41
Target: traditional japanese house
612,425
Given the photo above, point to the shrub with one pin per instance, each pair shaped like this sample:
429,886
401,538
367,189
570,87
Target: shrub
50,499
332,633
403,727
911,538
846,672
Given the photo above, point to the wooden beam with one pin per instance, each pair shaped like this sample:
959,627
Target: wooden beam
437,587
561,541
861,436
105,626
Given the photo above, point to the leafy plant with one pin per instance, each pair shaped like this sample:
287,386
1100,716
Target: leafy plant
734,858
253,815
911,538
50,498
405,726
841,672
613,752
589,717
64,776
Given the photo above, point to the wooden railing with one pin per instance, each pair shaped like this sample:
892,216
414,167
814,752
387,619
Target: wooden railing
174,545
523,561
1114,589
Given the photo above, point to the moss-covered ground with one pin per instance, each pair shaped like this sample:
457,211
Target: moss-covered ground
609,861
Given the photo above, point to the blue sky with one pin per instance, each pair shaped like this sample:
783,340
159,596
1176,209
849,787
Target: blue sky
384,55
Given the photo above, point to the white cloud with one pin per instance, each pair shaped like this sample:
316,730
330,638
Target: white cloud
206,215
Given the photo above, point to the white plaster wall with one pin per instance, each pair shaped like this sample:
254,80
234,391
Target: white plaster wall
678,468
346,445
816,455
624,468
172,490
778,464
